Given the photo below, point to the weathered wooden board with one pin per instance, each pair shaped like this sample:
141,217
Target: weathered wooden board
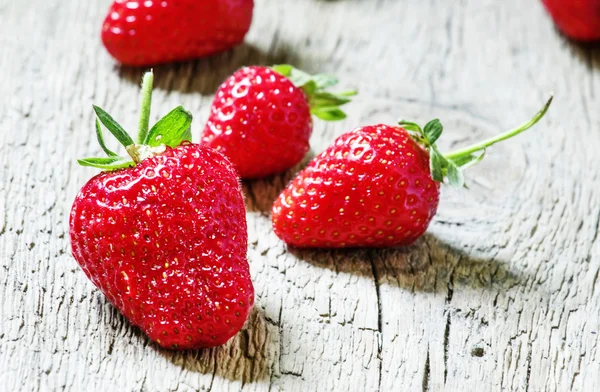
501,294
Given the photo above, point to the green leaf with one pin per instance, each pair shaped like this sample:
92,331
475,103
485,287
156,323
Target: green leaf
309,88
283,69
466,161
436,165
323,104
301,78
110,163
101,140
455,176
411,126
325,99
433,130
348,93
324,81
329,113
114,127
417,138
172,129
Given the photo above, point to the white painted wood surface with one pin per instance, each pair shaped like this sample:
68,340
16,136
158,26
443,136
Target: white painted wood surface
501,294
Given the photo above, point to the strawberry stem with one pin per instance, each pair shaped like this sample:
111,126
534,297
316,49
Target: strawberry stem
170,131
503,136
145,105
451,166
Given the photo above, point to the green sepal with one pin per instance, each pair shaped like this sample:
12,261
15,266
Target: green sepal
283,69
329,113
296,76
101,140
411,126
325,99
433,130
309,88
323,104
109,163
324,81
455,175
347,93
117,130
171,130
437,165
466,161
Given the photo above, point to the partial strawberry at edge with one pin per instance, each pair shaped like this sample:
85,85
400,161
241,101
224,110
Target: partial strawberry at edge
148,32
261,117
577,19
162,233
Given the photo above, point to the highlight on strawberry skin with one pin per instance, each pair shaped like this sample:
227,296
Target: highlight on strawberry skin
162,232
375,186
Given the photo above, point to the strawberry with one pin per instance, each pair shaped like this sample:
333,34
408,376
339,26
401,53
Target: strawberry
375,186
261,117
163,234
577,19
143,32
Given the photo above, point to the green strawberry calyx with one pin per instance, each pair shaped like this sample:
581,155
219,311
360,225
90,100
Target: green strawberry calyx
452,165
169,131
323,104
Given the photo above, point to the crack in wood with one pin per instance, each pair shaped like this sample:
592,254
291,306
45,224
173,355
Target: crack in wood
446,339
426,374
379,318
528,360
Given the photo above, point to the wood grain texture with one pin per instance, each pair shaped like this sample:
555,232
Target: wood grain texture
501,294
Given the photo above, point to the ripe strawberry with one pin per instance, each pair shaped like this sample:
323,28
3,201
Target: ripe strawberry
143,32
577,19
261,117
375,186
163,235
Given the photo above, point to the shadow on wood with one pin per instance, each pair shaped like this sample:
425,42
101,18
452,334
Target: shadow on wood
205,75
429,266
586,52
247,357
260,194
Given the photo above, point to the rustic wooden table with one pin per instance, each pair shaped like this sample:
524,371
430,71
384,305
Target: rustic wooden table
499,295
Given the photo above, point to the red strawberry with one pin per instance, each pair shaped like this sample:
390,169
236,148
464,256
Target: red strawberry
577,19
143,32
164,235
261,117
376,186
